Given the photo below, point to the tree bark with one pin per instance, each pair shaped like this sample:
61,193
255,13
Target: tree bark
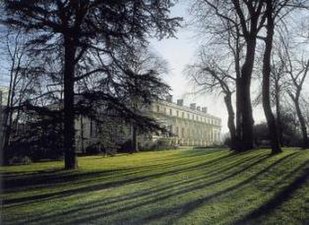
271,122
244,100
70,159
238,137
302,124
231,117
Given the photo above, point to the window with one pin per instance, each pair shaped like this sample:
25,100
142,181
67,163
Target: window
158,108
177,113
171,112
188,116
183,115
164,110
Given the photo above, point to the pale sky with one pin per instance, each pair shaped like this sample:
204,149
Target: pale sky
180,52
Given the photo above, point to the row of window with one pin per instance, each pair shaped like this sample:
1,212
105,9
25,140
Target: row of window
182,132
184,115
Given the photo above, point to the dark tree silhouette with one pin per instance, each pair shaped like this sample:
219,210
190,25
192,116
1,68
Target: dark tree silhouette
245,20
270,27
85,27
248,20
298,71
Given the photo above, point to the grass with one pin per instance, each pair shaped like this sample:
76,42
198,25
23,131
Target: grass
166,187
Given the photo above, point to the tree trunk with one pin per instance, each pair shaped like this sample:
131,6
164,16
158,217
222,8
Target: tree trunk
302,124
271,122
238,137
70,159
231,117
244,101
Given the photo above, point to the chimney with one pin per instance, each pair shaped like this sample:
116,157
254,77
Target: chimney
193,106
180,102
204,109
169,98
198,108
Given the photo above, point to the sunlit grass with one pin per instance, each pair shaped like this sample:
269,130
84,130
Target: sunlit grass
166,187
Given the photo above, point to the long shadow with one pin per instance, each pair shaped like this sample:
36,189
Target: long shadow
184,208
280,197
51,177
181,189
187,206
156,191
46,178
192,205
95,187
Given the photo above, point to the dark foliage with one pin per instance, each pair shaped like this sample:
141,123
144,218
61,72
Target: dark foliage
90,39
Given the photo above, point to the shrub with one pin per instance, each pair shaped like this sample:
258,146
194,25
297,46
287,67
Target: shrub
93,149
20,160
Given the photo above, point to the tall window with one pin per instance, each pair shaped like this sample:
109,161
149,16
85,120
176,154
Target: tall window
158,108
171,112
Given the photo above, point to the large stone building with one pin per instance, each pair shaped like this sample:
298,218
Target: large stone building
191,126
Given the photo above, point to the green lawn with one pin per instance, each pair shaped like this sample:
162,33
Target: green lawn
165,187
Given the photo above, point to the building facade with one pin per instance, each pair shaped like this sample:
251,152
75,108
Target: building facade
187,125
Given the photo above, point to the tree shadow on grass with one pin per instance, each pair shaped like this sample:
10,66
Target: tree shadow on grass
185,208
192,205
53,179
18,181
166,191
283,195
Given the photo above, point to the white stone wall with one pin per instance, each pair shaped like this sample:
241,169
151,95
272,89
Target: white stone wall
190,126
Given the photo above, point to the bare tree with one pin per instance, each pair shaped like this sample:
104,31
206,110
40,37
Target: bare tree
245,20
210,77
298,71
215,72
15,55
251,21
277,89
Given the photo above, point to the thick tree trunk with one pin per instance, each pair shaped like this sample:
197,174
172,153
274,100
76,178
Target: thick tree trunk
244,99
70,159
231,117
238,137
302,125
271,122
